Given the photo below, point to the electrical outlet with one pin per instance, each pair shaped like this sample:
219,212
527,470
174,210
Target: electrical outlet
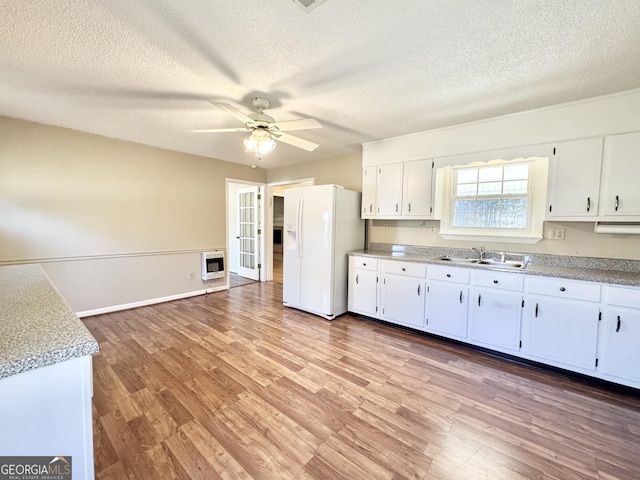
556,234
432,229
192,275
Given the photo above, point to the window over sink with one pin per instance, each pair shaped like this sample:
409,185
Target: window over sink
496,200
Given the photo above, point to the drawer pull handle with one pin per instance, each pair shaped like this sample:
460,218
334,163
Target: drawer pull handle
370,207
460,296
479,297
495,281
418,290
396,207
357,279
588,203
617,202
409,207
618,325
536,310
562,289
448,275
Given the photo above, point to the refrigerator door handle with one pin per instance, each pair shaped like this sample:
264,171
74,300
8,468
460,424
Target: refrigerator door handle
299,225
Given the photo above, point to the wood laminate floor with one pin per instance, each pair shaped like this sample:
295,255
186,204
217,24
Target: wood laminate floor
235,386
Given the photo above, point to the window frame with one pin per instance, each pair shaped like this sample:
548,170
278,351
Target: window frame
536,193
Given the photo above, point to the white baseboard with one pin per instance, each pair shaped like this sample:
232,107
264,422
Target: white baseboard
151,301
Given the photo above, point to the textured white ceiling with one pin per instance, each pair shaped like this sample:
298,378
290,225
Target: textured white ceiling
143,70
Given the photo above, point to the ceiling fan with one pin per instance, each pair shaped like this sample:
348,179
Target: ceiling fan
264,128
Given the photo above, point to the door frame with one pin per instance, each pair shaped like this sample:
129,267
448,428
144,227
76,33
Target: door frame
263,259
268,225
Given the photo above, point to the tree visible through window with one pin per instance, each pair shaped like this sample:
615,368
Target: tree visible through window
493,196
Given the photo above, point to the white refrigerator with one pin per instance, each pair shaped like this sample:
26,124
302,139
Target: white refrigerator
321,225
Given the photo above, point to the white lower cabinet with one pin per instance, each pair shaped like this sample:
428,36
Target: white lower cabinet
403,293
447,301
620,358
363,286
584,327
495,311
561,325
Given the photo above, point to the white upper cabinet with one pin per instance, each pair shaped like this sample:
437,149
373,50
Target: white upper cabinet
389,190
398,190
620,199
574,180
416,189
369,176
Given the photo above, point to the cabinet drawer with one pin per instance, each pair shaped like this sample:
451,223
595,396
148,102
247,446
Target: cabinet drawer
589,292
448,274
404,268
365,263
624,296
505,281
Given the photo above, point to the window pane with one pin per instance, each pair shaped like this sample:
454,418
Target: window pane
515,186
514,213
492,188
488,213
516,172
490,174
467,175
464,212
466,190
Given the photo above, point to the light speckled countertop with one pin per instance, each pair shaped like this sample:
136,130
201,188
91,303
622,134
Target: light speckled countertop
37,327
614,271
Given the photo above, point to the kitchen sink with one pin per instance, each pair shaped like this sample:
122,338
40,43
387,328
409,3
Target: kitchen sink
487,262
457,260
506,264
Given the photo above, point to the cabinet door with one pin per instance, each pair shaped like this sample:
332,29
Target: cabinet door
621,353
389,190
494,318
416,191
403,300
561,332
574,176
369,208
363,288
621,195
447,309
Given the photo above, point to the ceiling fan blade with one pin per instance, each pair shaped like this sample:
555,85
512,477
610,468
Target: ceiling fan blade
220,130
303,124
233,111
296,142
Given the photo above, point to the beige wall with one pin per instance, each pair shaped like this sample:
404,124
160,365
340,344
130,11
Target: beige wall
67,196
345,171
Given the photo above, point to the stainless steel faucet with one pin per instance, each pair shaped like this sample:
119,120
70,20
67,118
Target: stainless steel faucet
482,254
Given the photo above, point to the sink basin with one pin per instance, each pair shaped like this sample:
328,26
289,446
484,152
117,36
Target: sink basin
487,262
505,264
458,260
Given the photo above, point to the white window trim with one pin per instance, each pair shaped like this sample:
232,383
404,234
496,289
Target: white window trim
533,234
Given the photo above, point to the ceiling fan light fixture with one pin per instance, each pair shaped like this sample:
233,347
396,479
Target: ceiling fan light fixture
260,142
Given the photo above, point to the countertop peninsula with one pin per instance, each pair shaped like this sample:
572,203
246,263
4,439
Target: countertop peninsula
37,327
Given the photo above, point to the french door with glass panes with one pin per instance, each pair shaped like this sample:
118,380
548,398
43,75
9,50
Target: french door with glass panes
248,233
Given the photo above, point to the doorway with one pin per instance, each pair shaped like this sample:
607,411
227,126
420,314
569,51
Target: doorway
246,240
